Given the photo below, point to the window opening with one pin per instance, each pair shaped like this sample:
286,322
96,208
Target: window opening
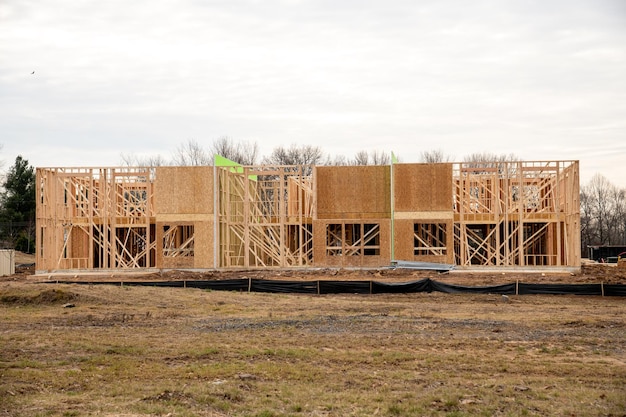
371,239
353,239
178,241
429,239
334,239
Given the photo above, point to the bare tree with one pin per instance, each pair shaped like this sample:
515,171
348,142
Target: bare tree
2,174
492,160
602,213
132,160
244,153
600,207
360,158
373,157
380,158
295,155
586,223
619,216
487,157
191,153
128,159
434,156
336,160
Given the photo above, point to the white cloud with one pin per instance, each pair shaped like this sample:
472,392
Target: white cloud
543,80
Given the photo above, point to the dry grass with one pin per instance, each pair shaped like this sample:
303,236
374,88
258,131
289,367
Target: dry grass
135,351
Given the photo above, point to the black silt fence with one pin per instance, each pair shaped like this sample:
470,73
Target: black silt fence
373,287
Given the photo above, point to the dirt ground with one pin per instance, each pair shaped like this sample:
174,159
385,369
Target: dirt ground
131,351
589,273
128,351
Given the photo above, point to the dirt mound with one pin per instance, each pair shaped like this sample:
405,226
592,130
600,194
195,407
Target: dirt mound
24,258
52,296
608,273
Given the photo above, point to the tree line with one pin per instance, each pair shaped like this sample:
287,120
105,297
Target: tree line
602,214
192,153
17,207
602,204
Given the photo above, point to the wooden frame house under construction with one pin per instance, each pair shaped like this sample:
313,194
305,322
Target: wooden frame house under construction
500,214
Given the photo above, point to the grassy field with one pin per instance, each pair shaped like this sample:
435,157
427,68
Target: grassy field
137,351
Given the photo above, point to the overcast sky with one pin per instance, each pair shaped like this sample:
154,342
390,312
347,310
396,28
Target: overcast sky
544,80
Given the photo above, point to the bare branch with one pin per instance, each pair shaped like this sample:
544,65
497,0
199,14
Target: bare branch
373,157
434,156
132,160
191,153
295,155
244,153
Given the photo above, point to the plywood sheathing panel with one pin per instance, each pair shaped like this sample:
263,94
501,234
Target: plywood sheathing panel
319,244
403,239
353,192
422,187
422,194
184,190
79,245
204,245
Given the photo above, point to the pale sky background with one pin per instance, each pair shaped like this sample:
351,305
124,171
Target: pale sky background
544,79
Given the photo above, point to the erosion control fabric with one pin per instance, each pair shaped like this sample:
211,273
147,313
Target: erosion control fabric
374,287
